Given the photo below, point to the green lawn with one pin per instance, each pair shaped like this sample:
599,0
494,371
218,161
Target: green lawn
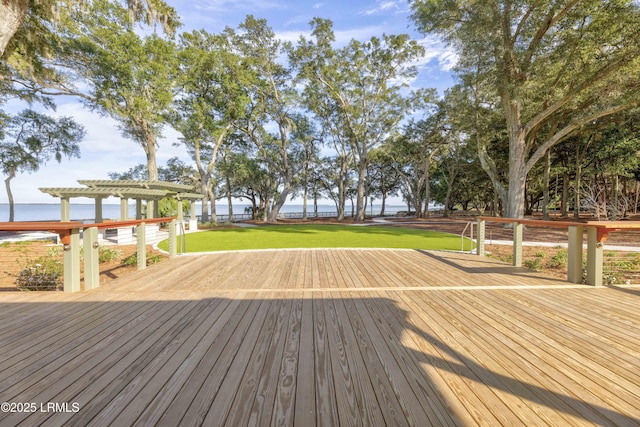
318,236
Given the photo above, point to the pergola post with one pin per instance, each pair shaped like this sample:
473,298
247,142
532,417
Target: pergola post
65,210
193,219
98,210
124,209
138,208
150,208
91,251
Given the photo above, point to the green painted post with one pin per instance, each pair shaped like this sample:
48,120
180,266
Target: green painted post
574,263
172,239
517,244
595,257
480,240
141,246
71,260
91,254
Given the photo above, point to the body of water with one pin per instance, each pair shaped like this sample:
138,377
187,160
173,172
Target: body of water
86,212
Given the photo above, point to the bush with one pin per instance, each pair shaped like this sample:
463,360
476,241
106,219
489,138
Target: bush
559,260
106,254
533,264
132,259
41,274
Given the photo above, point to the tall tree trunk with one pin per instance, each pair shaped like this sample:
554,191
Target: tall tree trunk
13,13
304,199
275,210
7,184
229,197
578,183
151,150
545,186
565,194
362,176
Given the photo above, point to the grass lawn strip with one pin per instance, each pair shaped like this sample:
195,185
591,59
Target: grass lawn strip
318,236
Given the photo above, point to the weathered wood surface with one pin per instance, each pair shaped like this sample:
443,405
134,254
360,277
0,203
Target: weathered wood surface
325,337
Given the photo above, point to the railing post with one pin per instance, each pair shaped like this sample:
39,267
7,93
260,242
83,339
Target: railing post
172,239
71,258
141,240
595,253
480,241
517,244
574,263
91,255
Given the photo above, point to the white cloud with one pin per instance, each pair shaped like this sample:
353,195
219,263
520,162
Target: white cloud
385,6
318,5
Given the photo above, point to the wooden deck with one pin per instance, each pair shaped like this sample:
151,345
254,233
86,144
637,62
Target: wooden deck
324,337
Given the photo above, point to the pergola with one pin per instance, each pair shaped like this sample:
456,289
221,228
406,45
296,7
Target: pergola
138,190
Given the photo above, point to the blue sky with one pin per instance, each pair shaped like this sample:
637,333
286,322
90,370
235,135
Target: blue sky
104,149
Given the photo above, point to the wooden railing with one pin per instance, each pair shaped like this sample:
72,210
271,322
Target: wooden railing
597,232
69,233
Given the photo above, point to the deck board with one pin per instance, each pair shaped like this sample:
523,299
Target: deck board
325,337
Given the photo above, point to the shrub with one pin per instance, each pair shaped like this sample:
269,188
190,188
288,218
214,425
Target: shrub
41,274
106,254
132,259
559,260
533,264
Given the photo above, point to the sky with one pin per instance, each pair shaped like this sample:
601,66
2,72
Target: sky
105,150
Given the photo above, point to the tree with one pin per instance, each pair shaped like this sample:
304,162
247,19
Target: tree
24,20
31,139
210,100
273,103
131,78
554,66
362,84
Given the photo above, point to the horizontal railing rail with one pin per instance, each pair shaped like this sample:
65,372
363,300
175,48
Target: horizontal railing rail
597,232
69,233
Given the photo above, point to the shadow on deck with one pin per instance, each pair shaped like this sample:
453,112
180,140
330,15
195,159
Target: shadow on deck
325,337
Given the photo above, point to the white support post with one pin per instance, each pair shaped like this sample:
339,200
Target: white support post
193,219
124,209
71,260
595,257
141,246
65,210
574,263
138,208
172,239
480,241
98,210
517,244
150,208
91,253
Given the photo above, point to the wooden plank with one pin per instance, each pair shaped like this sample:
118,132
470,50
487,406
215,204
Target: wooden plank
260,361
326,406
277,388
170,390
105,362
124,405
192,402
305,399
